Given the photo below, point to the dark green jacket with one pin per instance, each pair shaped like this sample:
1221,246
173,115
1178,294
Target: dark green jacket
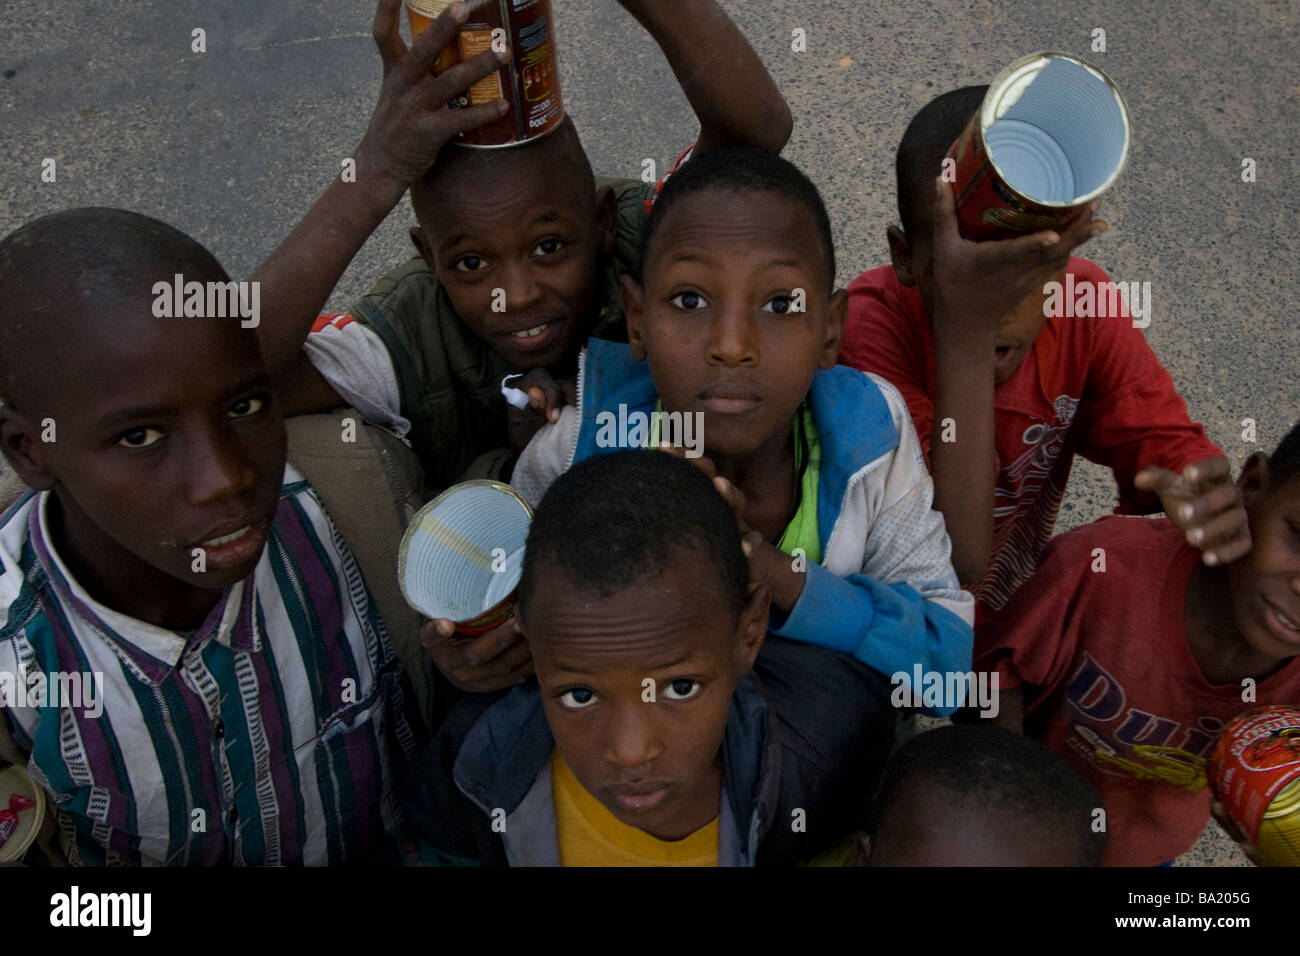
448,378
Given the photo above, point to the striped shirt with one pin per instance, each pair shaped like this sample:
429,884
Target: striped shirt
262,737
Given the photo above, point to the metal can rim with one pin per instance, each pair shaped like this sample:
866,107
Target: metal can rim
404,545
997,91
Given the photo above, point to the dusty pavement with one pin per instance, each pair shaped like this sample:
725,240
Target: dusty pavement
233,144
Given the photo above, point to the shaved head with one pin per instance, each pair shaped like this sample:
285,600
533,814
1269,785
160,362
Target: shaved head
558,156
64,271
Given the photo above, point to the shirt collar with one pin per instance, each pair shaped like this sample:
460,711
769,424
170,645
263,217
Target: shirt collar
150,651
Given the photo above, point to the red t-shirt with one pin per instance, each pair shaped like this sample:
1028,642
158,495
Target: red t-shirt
1107,668
1089,386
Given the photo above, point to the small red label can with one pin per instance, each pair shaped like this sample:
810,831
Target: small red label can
1051,136
1254,769
530,84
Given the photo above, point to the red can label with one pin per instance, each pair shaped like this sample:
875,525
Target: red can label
530,84
987,208
1255,758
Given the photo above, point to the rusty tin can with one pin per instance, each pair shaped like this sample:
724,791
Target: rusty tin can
530,83
1254,769
1050,137
462,555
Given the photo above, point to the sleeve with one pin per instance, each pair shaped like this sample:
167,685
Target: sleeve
880,337
1032,640
547,456
905,606
1131,415
354,361
493,465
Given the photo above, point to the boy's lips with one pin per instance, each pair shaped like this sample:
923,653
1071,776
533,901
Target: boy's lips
535,334
730,399
639,797
235,542
1284,626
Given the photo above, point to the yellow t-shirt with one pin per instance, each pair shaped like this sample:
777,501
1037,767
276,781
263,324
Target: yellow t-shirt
590,835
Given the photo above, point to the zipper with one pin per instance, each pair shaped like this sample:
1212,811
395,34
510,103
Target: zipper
582,374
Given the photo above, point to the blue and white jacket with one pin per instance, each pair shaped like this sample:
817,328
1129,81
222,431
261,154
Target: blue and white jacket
885,591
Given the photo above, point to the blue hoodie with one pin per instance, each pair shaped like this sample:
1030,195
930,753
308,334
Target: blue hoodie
885,590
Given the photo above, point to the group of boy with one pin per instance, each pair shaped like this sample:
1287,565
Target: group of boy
700,663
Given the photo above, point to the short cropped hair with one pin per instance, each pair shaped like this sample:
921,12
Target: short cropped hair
924,145
739,170
1284,463
1003,771
619,517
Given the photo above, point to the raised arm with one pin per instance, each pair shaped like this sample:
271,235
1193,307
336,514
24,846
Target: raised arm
976,284
410,124
734,97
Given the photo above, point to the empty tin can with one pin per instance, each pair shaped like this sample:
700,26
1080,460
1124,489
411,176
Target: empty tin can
1050,137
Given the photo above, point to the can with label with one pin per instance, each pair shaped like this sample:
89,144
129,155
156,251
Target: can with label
1050,137
1254,769
530,83
462,555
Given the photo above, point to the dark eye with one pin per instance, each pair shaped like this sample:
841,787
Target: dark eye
779,305
469,263
245,407
577,699
682,688
688,301
548,247
140,438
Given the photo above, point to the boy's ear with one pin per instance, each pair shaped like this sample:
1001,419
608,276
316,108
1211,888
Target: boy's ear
900,254
1254,477
424,247
633,311
753,626
606,218
24,450
835,313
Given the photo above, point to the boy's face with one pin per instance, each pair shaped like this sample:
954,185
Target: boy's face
649,752
1265,582
717,319
913,260
519,254
167,439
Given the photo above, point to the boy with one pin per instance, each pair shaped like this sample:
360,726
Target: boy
734,326
970,795
644,740
1127,654
232,698
961,329
525,229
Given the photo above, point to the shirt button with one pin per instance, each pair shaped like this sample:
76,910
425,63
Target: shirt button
219,730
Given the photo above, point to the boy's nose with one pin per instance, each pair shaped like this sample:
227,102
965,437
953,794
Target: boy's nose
633,741
216,470
522,290
731,338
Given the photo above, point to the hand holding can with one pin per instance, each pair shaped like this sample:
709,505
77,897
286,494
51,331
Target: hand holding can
411,121
528,80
